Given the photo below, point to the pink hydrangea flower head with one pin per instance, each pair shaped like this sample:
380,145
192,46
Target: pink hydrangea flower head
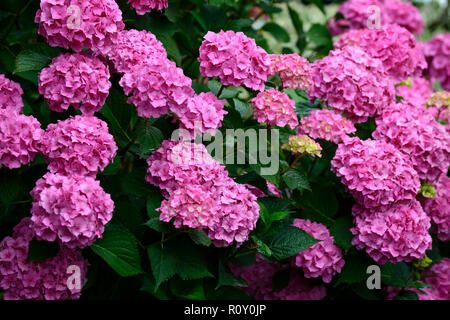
437,54
259,279
238,213
294,70
79,145
189,206
31,280
326,124
438,208
73,209
176,164
375,172
401,55
439,104
78,24
351,82
10,95
274,108
156,86
135,47
144,6
302,144
235,59
202,113
405,14
416,91
440,281
20,138
324,259
395,233
77,80
418,136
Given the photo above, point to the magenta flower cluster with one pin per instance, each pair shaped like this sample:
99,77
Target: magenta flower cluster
324,259
437,54
10,95
274,108
79,24
200,193
351,82
77,80
294,70
144,6
327,125
417,92
259,280
30,280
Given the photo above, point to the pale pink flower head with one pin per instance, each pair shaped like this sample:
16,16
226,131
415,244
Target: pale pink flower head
274,108
351,82
439,105
302,144
438,208
202,113
324,259
395,233
326,124
157,86
189,206
10,95
144,6
294,70
135,47
30,280
71,209
437,54
77,80
79,24
79,145
259,279
405,14
416,133
20,137
416,91
235,59
375,172
400,54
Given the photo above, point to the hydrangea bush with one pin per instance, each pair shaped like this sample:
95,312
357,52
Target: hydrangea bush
154,149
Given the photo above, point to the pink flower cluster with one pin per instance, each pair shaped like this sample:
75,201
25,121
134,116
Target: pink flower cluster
235,59
259,279
324,259
144,6
10,95
76,79
274,108
438,208
417,92
360,14
72,209
375,172
401,55
20,136
439,105
135,47
351,82
418,136
294,70
437,54
395,233
30,280
80,145
326,124
202,113
201,194
156,86
78,24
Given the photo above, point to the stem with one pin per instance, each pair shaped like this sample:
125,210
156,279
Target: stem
220,91
293,163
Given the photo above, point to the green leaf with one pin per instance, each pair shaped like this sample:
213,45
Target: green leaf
29,60
274,204
214,17
149,285
318,4
149,138
296,21
226,278
296,179
177,256
254,179
321,200
277,31
200,237
243,108
354,270
288,242
395,275
113,167
134,184
118,247
10,186
261,247
187,290
340,230
407,295
171,48
42,250
320,35
281,279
